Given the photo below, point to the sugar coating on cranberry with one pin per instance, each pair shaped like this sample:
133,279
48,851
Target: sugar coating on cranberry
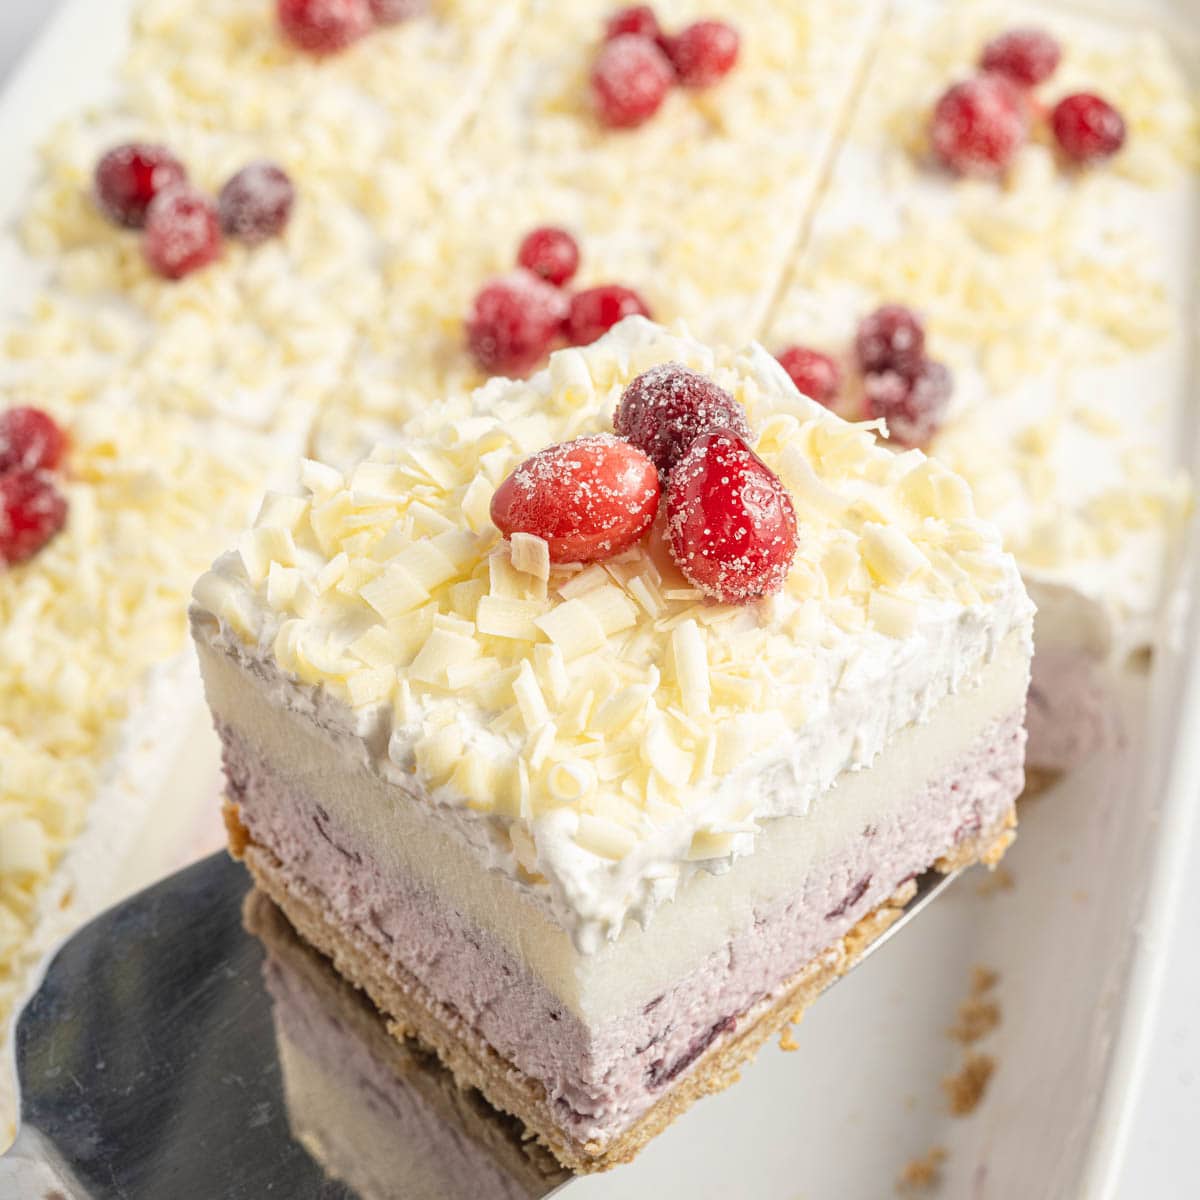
514,322
704,53
256,203
630,79
665,409
324,26
1087,128
392,12
595,311
637,19
30,440
551,254
588,499
816,375
730,520
978,125
1026,56
32,511
183,232
892,338
128,178
913,407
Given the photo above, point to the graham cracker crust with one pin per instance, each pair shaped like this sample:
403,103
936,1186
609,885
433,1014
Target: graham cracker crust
413,1012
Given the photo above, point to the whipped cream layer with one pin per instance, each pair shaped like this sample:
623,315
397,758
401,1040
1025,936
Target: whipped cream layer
1056,295
606,732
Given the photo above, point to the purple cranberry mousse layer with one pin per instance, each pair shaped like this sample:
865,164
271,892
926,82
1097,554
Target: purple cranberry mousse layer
1071,713
601,1077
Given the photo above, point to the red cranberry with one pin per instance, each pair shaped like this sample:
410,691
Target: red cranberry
637,19
589,499
1026,56
665,409
391,12
913,408
32,511
730,520
1087,127
183,232
30,440
704,53
513,323
892,338
324,26
595,311
256,203
552,254
979,125
630,80
815,374
128,177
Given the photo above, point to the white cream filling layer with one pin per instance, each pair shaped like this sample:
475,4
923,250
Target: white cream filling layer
474,870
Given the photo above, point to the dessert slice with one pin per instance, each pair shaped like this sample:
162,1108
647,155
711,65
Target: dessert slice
589,833
1055,291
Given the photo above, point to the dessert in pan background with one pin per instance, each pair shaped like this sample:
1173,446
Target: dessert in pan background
189,361
1051,274
593,758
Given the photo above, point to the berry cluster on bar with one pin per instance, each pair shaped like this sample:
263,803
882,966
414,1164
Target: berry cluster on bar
323,27
980,124
32,506
516,320
901,384
681,439
639,63
142,186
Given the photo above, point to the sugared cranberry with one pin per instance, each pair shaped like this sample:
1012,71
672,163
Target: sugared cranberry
595,311
256,203
551,254
704,53
892,338
730,520
183,232
912,407
514,322
665,409
391,12
589,499
32,511
1026,56
979,125
324,26
128,177
815,374
30,440
1088,129
638,19
630,80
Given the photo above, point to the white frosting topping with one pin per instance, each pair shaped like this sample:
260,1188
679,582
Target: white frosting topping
616,728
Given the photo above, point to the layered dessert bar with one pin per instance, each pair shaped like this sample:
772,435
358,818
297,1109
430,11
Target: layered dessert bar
1055,290
593,808
373,1108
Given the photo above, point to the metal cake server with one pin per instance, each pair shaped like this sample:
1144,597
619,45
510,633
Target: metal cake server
150,1064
